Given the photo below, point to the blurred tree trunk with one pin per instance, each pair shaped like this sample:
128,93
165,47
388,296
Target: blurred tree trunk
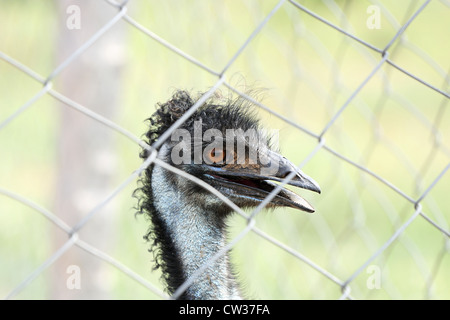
87,158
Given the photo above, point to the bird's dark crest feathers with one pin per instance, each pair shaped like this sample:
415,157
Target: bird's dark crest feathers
220,115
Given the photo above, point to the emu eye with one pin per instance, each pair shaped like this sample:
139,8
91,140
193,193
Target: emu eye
216,155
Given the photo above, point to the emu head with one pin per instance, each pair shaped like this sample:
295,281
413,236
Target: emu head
223,145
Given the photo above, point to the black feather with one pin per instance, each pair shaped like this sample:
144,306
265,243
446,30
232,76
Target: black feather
220,115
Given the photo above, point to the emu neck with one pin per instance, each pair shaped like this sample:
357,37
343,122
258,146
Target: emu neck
195,234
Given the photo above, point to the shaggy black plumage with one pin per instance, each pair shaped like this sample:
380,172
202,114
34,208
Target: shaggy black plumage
187,222
231,114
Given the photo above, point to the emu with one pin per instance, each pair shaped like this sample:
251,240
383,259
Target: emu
188,223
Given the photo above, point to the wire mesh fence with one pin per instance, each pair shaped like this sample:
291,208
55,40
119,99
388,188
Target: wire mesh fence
358,89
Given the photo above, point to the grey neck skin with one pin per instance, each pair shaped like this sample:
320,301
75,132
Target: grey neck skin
197,234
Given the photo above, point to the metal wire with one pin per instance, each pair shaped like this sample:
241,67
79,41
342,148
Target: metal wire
342,282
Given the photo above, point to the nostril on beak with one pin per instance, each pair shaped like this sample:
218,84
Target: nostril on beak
283,172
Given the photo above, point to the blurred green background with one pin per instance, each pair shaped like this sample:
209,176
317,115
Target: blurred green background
68,163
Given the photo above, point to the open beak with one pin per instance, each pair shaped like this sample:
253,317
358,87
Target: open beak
252,183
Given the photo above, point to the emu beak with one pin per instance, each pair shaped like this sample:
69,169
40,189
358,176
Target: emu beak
300,179
254,182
